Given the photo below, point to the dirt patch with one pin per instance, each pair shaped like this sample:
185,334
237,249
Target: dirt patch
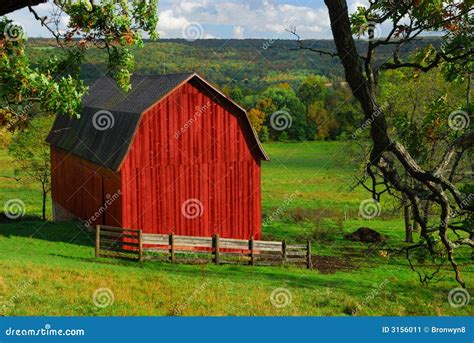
332,264
366,235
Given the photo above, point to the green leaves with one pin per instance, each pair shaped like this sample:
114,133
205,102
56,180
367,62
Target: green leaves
121,61
114,26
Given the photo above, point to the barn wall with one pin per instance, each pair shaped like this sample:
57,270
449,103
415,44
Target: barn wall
190,147
86,190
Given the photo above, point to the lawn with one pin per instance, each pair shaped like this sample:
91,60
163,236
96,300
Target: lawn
49,268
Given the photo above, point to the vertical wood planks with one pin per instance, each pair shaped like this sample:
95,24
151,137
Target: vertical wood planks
97,241
209,160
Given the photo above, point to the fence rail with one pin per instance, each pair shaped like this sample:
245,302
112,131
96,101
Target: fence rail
118,242
129,243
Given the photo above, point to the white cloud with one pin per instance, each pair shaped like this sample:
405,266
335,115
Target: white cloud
255,18
171,24
258,18
238,32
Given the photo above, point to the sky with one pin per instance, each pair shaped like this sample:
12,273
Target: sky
224,19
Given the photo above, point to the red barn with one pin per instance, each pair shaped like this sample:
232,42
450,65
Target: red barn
174,155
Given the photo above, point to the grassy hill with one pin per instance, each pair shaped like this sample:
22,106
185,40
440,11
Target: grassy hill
49,268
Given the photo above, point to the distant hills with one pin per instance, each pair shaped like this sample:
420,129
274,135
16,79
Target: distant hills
251,64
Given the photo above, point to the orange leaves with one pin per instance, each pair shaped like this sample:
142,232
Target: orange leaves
129,37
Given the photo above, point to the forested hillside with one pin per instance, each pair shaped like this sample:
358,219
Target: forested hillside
252,64
290,93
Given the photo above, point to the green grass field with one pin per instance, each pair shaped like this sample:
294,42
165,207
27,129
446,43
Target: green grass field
49,268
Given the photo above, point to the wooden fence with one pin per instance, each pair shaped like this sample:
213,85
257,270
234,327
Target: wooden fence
128,243
118,242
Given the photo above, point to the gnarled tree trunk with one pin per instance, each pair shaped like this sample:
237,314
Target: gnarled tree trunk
386,153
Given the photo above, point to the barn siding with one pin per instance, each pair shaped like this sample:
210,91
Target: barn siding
83,188
211,161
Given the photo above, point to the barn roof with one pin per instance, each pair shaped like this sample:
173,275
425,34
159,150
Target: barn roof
109,147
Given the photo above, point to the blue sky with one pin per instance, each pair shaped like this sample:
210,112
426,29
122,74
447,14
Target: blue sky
223,18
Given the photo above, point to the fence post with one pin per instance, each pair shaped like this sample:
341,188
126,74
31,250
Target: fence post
97,241
283,251
252,251
309,263
140,245
171,244
215,245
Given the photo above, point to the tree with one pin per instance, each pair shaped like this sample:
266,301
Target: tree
417,106
112,26
312,92
389,159
264,135
284,112
256,118
313,89
237,95
323,119
345,109
32,155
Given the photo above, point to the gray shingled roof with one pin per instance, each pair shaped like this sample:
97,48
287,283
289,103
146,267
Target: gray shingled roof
146,90
104,147
109,147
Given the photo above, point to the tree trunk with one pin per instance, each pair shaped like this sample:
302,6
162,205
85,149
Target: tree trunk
426,211
384,148
414,227
407,217
44,205
406,214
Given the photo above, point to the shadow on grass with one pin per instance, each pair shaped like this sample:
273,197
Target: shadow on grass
292,277
289,277
73,233
33,227
114,262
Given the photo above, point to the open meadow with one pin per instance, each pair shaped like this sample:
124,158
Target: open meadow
49,268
